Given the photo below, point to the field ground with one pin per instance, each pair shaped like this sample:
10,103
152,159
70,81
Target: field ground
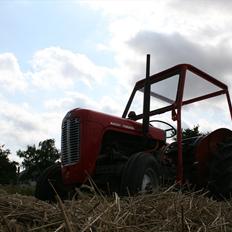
165,211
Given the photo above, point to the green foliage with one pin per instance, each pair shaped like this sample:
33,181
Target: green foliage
8,169
36,159
188,133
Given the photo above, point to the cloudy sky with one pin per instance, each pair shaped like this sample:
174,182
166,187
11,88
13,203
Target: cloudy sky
59,55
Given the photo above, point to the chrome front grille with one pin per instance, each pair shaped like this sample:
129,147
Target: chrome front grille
70,141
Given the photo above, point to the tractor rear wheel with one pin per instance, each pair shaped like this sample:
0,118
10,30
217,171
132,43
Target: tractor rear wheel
220,176
44,190
140,174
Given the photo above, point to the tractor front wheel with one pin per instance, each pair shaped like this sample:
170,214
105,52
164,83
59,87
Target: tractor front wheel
50,176
140,174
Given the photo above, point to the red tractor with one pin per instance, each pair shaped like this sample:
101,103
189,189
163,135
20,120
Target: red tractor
130,155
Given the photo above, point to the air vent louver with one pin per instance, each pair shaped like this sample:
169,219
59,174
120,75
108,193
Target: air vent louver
70,141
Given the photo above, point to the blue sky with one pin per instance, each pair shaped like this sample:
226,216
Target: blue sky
58,55
32,25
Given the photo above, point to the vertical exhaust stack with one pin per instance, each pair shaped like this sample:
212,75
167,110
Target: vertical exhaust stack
146,98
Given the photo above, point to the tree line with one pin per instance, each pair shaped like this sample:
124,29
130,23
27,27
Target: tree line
34,160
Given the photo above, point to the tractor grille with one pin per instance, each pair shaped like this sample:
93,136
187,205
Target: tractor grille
70,141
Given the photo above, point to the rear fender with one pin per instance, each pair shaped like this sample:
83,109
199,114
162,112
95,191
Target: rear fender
206,148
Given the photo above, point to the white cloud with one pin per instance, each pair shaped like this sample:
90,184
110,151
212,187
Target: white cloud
55,67
11,77
21,125
208,114
203,23
170,49
71,100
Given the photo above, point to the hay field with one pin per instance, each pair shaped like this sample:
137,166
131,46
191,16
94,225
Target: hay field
165,211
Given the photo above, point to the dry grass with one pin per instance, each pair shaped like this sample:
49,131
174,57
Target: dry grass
166,211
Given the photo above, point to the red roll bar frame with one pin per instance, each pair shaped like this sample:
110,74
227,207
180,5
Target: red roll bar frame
176,106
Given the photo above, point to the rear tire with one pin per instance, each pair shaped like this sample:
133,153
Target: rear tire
220,178
44,191
140,174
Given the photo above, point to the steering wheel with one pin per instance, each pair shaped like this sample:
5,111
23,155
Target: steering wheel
172,128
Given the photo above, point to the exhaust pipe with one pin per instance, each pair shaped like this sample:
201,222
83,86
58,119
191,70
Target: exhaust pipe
146,98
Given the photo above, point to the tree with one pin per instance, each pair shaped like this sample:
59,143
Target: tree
189,133
8,169
35,160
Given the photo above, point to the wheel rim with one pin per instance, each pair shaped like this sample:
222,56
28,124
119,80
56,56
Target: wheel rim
149,182
146,183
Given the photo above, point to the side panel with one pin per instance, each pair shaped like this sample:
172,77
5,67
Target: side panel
205,150
91,135
93,138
